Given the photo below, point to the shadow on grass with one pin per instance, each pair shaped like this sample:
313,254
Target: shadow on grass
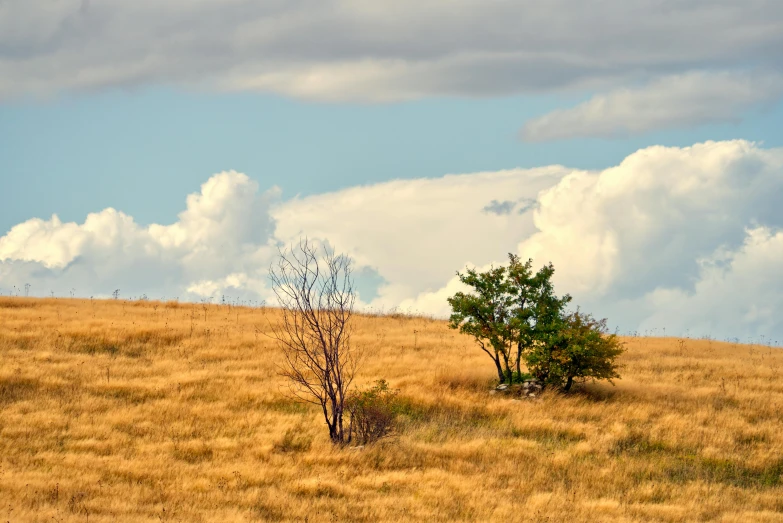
16,388
684,465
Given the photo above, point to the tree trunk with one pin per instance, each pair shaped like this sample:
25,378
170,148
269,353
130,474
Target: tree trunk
508,369
336,430
340,431
568,384
501,378
519,359
316,294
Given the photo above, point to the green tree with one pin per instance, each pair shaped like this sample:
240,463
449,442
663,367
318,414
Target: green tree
487,314
509,311
538,310
516,318
577,349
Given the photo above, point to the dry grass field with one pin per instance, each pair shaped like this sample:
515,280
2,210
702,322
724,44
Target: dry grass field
146,411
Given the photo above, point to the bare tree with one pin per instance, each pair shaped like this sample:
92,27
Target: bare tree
315,290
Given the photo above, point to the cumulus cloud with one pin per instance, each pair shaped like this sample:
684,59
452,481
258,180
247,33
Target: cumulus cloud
675,101
741,289
686,239
219,242
690,239
225,239
413,232
375,51
647,222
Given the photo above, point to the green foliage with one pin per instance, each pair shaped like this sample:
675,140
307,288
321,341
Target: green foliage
515,317
509,310
372,412
579,349
487,314
518,377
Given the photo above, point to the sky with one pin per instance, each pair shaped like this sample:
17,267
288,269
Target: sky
168,149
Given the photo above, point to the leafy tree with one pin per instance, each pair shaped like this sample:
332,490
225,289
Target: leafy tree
578,349
508,311
538,310
516,318
487,314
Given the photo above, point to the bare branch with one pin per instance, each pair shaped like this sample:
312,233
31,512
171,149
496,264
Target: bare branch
316,294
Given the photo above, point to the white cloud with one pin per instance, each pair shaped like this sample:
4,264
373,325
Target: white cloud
675,101
356,50
690,239
666,222
413,232
647,222
221,241
738,293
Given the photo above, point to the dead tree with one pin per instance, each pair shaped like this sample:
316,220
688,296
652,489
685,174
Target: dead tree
315,291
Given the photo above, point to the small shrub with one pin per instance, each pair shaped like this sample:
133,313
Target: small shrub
372,412
579,349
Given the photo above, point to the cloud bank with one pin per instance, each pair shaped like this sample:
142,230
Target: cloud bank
376,51
685,100
219,243
693,55
688,239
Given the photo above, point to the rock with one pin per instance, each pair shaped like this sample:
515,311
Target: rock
530,388
502,386
533,385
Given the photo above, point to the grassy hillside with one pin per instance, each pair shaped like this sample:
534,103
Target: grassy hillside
144,411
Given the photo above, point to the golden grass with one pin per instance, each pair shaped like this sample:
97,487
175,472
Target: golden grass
145,411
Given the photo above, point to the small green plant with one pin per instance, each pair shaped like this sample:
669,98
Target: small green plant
372,412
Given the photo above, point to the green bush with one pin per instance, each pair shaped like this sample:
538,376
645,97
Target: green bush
372,412
516,318
580,350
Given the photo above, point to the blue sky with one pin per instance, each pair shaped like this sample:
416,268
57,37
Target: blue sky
139,151
637,145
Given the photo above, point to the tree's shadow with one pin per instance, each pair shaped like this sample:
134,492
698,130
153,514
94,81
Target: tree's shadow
597,392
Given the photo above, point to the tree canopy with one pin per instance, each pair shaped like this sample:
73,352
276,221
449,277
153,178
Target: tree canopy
516,317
